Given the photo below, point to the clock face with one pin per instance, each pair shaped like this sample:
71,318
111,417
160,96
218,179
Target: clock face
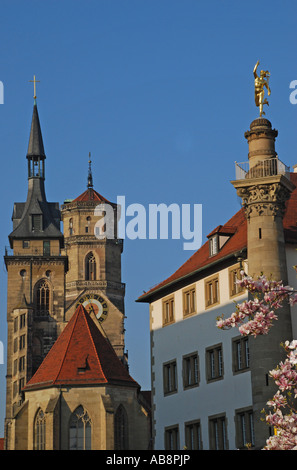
96,304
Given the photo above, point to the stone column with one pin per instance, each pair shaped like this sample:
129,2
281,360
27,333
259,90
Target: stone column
264,192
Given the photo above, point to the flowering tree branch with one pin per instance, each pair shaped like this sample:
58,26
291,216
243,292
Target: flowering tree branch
255,317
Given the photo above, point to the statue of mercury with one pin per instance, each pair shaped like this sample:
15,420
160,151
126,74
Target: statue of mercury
261,82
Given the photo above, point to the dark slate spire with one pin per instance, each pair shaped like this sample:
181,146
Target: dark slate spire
35,147
90,176
36,218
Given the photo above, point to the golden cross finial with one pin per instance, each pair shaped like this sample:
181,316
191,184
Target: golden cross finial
34,81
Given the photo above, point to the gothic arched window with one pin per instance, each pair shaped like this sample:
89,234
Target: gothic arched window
121,429
90,267
39,431
80,430
42,298
88,223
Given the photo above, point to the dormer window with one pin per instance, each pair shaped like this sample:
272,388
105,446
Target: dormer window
36,222
218,237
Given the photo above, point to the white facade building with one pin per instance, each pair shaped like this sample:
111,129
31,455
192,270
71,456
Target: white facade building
204,389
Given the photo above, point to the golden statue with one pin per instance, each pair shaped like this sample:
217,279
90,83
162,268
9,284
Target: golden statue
260,83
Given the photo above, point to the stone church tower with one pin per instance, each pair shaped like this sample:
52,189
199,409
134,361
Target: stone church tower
94,275
60,285
36,278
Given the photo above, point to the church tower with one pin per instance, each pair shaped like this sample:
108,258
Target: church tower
94,276
36,278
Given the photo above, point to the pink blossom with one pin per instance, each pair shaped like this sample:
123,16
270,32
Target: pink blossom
256,317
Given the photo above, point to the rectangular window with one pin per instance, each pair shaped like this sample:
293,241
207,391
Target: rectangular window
169,377
22,341
22,364
46,248
193,436
244,421
26,244
22,320
241,354
172,438
213,245
15,388
214,362
218,433
36,222
212,291
190,370
234,275
21,384
189,301
168,311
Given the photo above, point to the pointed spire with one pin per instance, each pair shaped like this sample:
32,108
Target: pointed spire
90,176
35,147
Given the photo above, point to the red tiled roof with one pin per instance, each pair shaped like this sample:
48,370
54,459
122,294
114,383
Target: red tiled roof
80,356
90,195
237,228
201,258
1,443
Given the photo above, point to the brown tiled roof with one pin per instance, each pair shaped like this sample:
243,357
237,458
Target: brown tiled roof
80,356
90,195
236,227
1,443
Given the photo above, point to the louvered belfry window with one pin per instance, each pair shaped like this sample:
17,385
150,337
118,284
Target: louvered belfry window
36,222
90,267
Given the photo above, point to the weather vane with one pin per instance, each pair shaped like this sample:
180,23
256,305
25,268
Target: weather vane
34,81
261,82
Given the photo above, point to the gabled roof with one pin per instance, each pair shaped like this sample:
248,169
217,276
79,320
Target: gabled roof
80,356
201,258
236,227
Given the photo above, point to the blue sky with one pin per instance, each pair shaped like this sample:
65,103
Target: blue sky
161,93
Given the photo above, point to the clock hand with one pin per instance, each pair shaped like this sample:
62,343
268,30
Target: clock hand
92,307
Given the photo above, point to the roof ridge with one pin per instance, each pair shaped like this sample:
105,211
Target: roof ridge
93,344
